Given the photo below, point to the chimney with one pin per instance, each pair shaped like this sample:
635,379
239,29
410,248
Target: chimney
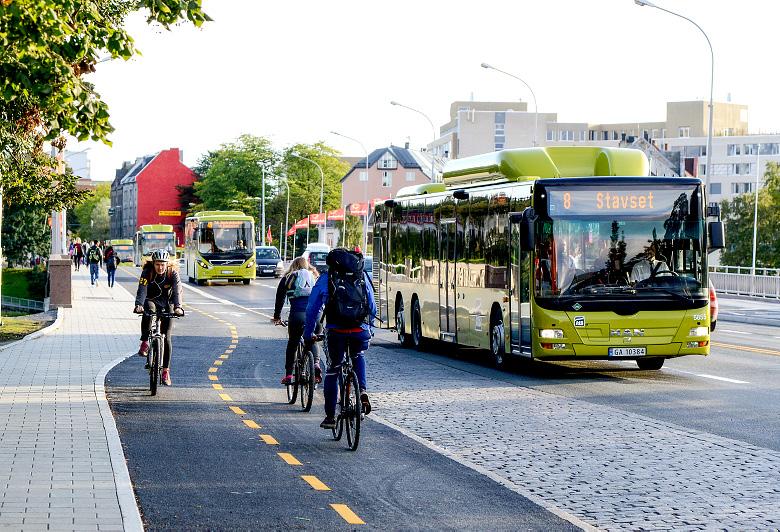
406,144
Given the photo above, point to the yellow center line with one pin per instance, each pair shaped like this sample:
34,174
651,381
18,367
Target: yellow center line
348,515
237,410
218,362
270,440
213,378
747,348
228,351
216,386
290,459
315,483
224,357
225,397
232,346
213,370
251,424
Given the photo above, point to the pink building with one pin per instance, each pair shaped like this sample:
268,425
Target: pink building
389,170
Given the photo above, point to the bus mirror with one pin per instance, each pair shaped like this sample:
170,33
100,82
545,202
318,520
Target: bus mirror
527,229
460,194
390,203
713,209
717,236
515,217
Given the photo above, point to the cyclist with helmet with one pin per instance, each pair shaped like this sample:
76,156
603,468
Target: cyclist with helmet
159,288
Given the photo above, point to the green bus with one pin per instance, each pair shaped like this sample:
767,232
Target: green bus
124,249
149,238
554,253
219,245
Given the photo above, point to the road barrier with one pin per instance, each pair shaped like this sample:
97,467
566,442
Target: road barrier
741,281
19,303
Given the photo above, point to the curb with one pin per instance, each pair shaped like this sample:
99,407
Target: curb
563,514
37,334
131,515
750,320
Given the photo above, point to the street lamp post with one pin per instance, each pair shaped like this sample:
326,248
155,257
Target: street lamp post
533,95
262,206
365,192
433,130
755,222
712,83
322,191
286,218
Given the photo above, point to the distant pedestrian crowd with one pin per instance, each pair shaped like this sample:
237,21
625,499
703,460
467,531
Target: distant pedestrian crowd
94,255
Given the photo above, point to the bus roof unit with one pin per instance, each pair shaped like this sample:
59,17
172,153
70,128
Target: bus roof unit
417,190
547,162
221,215
157,228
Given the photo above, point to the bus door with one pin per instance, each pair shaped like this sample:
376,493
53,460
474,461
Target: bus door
447,324
519,300
379,273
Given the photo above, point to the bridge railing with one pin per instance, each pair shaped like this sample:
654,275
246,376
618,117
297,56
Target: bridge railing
20,303
741,281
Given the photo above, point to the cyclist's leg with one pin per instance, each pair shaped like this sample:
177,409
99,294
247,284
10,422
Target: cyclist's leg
337,350
146,321
358,344
294,330
166,327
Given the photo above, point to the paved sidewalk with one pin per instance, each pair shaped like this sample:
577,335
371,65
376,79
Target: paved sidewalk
753,310
61,468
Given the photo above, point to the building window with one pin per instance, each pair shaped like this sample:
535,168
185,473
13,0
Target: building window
663,133
410,176
769,148
750,149
566,134
500,118
592,135
741,169
499,147
387,179
684,132
363,175
550,134
733,149
702,169
605,135
388,161
615,135
741,188
582,135
714,188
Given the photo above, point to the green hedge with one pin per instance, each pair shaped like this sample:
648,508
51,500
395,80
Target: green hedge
27,283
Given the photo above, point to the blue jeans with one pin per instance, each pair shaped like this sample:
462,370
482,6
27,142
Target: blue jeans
337,351
94,271
111,273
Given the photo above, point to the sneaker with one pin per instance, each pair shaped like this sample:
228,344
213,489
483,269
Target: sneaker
317,375
328,423
143,349
366,403
288,379
166,376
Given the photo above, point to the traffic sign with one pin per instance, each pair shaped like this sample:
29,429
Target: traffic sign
169,213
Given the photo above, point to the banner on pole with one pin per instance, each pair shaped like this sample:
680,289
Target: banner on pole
358,209
336,216
317,219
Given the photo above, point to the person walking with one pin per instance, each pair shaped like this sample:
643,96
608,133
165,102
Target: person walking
95,259
78,254
111,260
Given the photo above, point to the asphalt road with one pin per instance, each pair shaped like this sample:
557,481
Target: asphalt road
196,462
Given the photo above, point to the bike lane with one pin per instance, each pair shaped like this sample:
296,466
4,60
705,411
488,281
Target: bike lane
222,449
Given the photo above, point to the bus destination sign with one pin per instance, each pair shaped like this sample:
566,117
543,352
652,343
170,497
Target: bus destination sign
605,201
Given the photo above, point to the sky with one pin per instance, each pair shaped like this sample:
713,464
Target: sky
295,70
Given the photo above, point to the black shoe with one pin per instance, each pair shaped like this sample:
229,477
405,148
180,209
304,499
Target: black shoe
328,423
366,403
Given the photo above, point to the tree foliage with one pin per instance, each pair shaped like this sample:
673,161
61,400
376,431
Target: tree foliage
92,214
25,234
738,217
46,48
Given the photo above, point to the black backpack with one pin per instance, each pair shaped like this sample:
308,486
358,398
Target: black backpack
347,305
93,255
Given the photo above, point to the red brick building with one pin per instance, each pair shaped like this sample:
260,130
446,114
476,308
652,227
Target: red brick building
144,192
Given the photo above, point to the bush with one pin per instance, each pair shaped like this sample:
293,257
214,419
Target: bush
38,277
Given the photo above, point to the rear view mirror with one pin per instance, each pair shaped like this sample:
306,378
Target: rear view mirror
716,236
527,229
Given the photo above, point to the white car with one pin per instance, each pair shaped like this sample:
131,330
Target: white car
316,253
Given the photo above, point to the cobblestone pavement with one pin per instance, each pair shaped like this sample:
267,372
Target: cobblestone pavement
611,468
56,471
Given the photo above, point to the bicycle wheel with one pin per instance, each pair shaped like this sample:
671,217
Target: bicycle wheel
354,411
292,389
337,432
307,381
154,369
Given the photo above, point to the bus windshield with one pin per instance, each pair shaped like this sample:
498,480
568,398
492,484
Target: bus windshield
151,242
225,237
657,250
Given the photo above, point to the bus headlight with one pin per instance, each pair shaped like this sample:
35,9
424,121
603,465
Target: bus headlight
699,331
550,333
250,264
203,264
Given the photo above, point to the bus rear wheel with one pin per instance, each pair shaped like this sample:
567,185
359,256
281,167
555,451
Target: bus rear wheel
497,351
650,363
400,325
202,282
416,337
246,281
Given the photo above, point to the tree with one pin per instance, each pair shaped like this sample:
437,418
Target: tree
92,214
738,217
25,234
46,47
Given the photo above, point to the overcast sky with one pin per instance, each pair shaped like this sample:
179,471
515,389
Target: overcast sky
295,70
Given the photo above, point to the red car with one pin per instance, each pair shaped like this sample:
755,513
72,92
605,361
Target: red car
713,307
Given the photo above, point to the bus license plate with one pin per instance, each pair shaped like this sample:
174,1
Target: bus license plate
227,271
627,351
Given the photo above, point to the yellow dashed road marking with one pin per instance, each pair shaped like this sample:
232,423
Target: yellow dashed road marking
290,459
228,351
225,397
348,515
315,483
270,440
216,386
213,370
213,378
237,410
218,362
251,424
224,357
747,348
232,346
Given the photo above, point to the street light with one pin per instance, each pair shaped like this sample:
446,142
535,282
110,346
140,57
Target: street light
365,193
755,221
286,218
536,107
322,187
433,129
712,82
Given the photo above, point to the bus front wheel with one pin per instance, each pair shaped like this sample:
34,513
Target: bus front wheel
246,281
497,352
202,282
650,363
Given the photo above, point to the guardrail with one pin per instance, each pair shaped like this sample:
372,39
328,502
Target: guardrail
741,281
19,303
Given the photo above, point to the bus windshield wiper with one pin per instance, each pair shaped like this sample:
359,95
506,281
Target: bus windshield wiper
677,295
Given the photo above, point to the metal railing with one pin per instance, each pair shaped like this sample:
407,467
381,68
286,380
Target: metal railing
741,281
19,303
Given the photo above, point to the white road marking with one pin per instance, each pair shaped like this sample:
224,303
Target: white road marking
224,301
734,332
714,377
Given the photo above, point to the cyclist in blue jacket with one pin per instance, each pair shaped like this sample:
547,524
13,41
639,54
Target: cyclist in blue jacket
345,278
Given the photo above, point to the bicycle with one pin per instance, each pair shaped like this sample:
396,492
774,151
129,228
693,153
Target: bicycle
350,408
154,356
304,376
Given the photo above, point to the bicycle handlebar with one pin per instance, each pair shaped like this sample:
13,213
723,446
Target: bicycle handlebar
159,314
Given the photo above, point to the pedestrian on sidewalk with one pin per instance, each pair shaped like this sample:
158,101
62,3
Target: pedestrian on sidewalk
78,254
95,258
111,261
